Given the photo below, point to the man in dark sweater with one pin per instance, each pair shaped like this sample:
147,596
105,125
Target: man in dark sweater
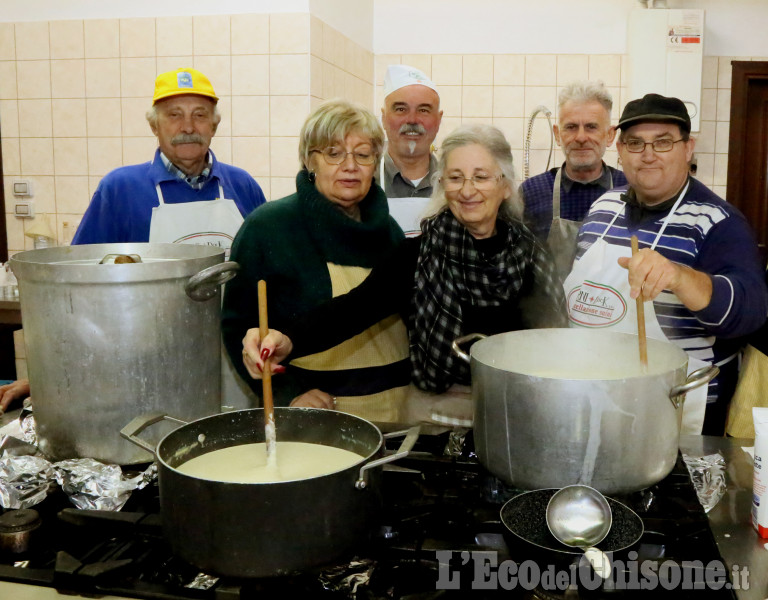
557,201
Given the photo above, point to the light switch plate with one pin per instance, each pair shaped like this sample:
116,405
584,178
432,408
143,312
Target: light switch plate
24,209
22,188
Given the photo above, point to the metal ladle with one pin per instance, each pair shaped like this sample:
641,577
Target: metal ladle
579,516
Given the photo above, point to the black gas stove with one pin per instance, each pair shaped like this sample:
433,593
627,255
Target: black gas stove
438,536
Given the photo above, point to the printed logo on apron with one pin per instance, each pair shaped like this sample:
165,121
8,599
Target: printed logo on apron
600,264
596,305
202,222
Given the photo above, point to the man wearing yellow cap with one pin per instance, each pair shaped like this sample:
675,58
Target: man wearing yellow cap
183,195
411,117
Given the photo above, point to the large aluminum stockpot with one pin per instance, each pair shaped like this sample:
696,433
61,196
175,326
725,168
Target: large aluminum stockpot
267,529
555,407
107,342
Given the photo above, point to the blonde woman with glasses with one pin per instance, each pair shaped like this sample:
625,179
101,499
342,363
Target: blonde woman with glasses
317,243
474,268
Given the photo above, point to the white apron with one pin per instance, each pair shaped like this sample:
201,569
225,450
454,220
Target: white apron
204,222
597,294
407,212
561,240
208,223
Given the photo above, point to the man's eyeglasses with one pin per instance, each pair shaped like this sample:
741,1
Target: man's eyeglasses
662,145
481,182
334,155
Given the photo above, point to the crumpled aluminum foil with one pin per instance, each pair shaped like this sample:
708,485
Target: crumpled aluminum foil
708,477
94,485
24,480
202,581
28,425
456,439
346,579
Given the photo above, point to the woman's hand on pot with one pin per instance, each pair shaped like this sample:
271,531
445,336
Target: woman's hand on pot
18,390
315,399
255,351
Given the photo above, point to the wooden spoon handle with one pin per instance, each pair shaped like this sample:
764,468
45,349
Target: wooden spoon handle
640,316
266,380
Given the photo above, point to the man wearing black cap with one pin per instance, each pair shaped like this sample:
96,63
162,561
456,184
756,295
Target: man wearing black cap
698,269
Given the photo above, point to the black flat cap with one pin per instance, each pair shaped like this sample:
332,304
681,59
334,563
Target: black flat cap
654,108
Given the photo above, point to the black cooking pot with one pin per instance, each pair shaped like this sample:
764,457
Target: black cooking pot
529,538
267,529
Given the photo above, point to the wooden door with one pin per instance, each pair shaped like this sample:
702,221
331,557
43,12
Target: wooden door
748,146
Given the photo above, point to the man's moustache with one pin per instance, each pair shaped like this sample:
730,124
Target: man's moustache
412,128
187,138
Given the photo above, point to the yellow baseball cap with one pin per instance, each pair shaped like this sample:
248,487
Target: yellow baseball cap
183,81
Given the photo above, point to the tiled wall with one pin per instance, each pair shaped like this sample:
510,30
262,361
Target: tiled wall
505,89
73,96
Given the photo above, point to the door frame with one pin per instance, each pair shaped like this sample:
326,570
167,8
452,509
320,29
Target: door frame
743,73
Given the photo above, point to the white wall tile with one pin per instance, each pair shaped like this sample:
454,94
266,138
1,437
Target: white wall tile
250,34
32,41
71,193
7,41
137,77
174,36
102,78
69,156
572,67
289,74
69,117
287,114
67,39
477,69
36,156
284,156
250,116
252,154
102,38
104,154
540,69
35,118
137,38
289,33
9,117
33,78
250,75
508,69
102,117
211,34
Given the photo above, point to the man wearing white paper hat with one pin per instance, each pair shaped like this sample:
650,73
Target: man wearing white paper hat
411,117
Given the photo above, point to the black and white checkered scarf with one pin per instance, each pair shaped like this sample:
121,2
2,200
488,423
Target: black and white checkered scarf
449,272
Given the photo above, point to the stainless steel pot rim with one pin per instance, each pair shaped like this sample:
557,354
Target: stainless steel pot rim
355,466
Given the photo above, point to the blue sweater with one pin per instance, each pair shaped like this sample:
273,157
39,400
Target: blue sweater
121,207
709,235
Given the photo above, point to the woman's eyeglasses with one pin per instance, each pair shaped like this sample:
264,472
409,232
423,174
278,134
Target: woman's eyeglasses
454,183
334,155
662,145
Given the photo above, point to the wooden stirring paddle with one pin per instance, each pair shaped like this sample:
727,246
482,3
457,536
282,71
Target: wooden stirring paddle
640,318
266,382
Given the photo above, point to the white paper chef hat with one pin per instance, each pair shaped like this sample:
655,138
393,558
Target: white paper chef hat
398,76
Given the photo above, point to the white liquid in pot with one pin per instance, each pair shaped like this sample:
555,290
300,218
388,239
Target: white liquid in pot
247,463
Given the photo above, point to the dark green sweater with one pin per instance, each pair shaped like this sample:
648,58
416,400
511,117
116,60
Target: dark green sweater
288,243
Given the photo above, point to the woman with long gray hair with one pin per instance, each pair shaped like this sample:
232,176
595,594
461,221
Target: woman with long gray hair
475,268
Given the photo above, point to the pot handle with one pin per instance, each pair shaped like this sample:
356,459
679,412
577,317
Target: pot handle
140,423
205,284
411,435
698,378
456,344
